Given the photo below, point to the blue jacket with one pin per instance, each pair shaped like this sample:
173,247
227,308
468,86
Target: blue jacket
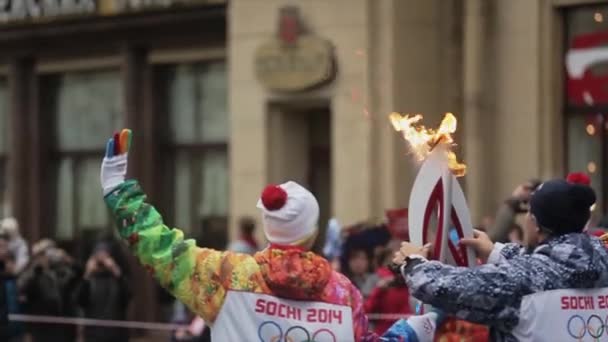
10,305
491,294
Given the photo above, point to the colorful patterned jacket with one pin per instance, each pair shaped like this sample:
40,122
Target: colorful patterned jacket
202,278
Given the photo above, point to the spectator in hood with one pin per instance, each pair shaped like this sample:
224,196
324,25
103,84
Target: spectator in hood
17,245
557,255
246,242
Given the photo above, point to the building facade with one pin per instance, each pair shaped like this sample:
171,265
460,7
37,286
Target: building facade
225,97
499,65
74,72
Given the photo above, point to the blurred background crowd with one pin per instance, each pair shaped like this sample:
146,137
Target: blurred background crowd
42,279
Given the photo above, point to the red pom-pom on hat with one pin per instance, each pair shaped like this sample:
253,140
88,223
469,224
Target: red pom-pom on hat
274,197
579,178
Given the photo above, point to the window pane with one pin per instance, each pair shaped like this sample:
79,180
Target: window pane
6,209
209,176
4,139
584,148
92,212
586,55
182,195
586,20
64,225
214,185
197,96
3,116
182,103
88,108
213,103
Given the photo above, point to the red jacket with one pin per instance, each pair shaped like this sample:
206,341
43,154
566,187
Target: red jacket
389,300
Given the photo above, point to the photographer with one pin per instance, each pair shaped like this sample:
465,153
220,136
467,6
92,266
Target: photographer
104,294
47,285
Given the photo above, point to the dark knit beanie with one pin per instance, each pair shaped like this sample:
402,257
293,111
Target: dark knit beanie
562,207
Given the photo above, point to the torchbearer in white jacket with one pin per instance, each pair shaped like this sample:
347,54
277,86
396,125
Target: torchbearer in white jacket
283,293
552,289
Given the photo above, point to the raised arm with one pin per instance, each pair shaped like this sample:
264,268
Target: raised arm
199,277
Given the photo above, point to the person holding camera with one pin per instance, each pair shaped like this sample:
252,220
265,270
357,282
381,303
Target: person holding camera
47,286
104,294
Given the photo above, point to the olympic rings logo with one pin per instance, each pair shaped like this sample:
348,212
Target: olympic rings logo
593,326
296,333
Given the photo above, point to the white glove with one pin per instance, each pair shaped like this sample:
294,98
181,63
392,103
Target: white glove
424,326
113,172
415,328
114,165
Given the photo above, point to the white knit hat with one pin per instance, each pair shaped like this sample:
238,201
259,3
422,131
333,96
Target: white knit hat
290,213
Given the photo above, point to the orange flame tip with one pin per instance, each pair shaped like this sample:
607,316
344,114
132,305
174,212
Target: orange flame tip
422,140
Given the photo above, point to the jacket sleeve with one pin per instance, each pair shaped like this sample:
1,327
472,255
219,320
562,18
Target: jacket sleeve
488,294
503,252
199,277
360,322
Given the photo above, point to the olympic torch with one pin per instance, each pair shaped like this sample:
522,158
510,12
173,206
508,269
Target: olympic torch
437,206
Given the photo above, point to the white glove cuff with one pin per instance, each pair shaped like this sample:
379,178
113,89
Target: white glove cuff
113,172
424,326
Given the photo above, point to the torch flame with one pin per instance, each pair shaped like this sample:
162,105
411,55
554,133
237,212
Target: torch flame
422,140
